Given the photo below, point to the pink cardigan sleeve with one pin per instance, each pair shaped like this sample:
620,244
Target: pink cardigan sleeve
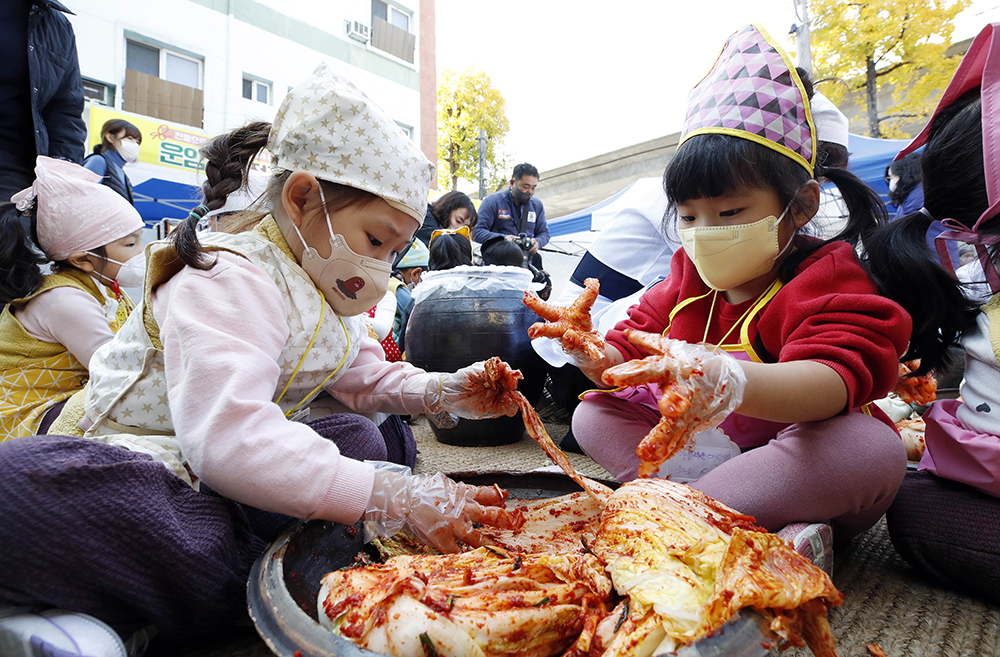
372,384
222,331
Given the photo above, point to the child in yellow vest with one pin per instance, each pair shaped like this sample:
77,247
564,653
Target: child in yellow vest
52,324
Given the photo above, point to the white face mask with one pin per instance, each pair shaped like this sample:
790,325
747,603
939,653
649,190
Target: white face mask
728,256
129,150
351,283
132,272
892,184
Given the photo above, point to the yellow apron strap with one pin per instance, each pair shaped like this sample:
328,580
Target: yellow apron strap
679,307
754,311
586,392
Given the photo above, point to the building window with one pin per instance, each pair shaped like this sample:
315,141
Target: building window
391,30
163,84
162,63
258,90
407,129
391,14
99,92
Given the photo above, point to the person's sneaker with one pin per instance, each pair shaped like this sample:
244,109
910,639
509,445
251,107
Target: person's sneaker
56,633
813,541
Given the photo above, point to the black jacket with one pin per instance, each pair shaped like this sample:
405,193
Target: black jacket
56,88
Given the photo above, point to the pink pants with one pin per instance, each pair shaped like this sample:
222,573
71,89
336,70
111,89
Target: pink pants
844,470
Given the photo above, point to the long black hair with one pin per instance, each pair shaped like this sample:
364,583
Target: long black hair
20,255
898,258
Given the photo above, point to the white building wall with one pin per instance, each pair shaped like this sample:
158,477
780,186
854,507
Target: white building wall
231,48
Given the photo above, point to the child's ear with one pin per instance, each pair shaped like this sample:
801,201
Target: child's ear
298,193
81,261
807,204
415,275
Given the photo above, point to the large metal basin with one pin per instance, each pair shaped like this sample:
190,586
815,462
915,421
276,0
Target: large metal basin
285,581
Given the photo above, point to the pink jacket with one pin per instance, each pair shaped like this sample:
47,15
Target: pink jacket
222,332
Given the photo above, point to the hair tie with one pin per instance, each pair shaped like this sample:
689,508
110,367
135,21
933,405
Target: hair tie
24,199
199,212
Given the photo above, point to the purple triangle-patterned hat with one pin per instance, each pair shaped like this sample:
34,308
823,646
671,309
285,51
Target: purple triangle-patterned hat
753,92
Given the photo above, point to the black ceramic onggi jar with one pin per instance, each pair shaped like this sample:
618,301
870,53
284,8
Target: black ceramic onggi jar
468,314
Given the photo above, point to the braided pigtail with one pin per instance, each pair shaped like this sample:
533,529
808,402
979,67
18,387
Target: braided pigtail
227,163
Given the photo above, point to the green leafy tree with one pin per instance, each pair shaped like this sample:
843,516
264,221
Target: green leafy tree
872,43
467,102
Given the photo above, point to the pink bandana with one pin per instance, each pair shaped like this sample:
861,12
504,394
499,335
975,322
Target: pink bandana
979,68
753,92
75,211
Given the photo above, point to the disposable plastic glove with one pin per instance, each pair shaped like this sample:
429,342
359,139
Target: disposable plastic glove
573,327
701,386
467,393
438,510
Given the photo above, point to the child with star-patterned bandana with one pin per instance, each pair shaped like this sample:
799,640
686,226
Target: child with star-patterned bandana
183,457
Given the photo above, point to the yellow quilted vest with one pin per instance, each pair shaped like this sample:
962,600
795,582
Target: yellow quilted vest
36,374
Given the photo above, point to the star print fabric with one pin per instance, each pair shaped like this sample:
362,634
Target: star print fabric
330,128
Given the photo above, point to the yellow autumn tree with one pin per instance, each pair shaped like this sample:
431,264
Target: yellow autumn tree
467,101
869,44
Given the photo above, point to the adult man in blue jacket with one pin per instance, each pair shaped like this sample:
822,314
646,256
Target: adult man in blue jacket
506,214
41,94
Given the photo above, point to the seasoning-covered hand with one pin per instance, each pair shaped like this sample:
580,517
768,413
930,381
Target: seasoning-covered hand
472,392
700,386
438,510
573,327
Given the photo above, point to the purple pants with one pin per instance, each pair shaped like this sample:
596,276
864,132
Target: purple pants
98,529
949,531
845,469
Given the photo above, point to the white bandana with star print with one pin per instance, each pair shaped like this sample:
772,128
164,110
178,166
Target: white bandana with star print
330,128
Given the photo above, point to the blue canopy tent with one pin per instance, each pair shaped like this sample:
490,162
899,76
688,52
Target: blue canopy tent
869,158
157,199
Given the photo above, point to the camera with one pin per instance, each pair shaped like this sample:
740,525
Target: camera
525,242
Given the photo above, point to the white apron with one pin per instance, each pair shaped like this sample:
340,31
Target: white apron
126,398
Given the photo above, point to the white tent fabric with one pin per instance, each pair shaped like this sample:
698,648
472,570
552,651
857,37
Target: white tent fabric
626,235
580,227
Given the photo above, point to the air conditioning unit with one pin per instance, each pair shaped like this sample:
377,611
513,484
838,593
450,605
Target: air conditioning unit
357,30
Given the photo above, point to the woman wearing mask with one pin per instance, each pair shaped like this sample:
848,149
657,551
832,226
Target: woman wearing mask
119,146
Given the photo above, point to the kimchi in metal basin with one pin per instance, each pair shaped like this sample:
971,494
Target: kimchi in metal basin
285,581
